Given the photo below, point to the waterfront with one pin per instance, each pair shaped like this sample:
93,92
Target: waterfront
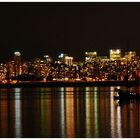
67,112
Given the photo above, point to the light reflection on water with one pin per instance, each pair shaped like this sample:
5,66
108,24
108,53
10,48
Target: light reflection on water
67,112
70,113
17,113
62,110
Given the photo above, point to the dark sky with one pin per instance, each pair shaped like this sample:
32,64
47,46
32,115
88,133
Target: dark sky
36,29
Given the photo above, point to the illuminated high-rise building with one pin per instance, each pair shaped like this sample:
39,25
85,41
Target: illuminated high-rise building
11,69
68,60
64,58
90,56
24,68
61,57
130,55
17,63
48,59
115,54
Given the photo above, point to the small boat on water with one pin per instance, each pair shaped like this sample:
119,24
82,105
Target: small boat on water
126,95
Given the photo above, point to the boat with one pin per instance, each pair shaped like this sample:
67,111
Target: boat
126,95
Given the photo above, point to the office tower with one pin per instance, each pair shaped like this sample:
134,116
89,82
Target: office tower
17,63
61,57
68,60
47,59
130,55
90,56
115,54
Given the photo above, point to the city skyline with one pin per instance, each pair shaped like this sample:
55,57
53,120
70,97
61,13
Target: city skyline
52,28
116,67
93,54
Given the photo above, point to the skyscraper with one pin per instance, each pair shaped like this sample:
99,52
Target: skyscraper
130,55
17,63
69,60
115,54
90,56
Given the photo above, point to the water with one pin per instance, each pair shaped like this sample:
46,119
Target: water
67,112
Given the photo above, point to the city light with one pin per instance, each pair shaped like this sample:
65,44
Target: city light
17,53
115,54
94,68
61,55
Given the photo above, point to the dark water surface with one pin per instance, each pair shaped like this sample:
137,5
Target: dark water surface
67,112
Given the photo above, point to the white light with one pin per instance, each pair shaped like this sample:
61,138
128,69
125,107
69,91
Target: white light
61,55
115,51
67,57
17,53
87,58
118,51
91,53
46,56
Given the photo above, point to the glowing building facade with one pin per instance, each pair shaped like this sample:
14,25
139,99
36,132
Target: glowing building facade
64,58
90,56
69,60
115,54
47,59
130,55
61,57
17,63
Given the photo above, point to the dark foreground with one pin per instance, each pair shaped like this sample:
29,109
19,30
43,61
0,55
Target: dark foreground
67,112
71,84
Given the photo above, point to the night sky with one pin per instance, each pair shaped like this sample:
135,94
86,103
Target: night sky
36,29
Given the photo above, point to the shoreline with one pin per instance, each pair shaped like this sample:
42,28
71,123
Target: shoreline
69,84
